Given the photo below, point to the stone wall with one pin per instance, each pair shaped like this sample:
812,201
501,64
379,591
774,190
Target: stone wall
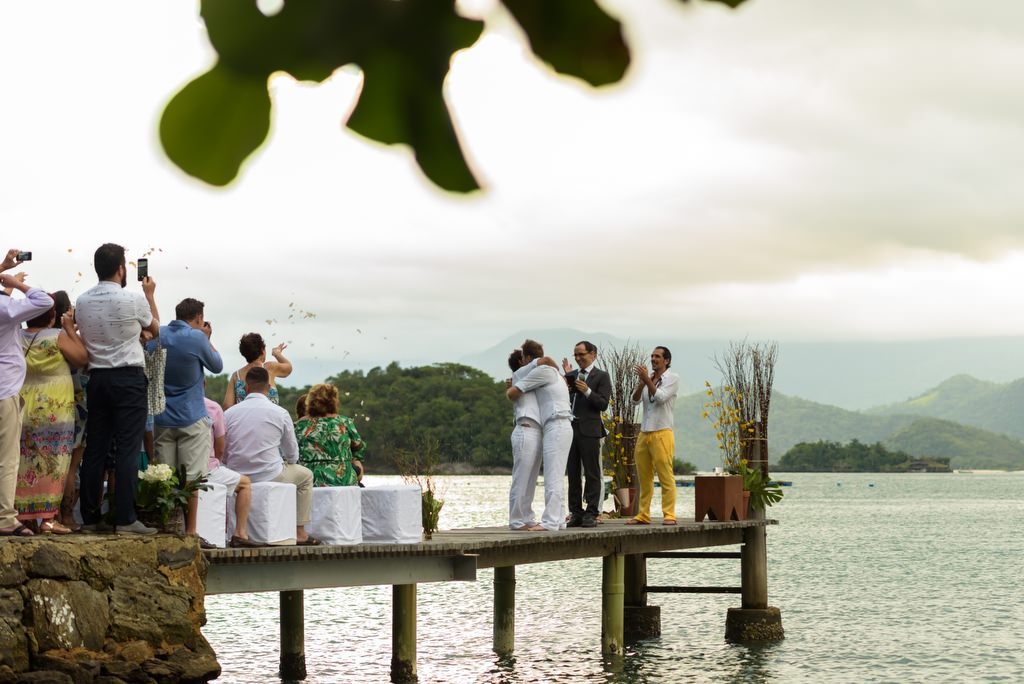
103,609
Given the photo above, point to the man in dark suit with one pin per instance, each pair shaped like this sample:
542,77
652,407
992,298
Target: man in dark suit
589,391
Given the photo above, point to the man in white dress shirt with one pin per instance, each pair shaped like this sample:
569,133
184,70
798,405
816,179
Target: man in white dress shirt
555,414
656,445
260,443
526,448
110,319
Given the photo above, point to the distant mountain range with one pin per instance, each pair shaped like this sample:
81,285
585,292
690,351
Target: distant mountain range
852,375
964,399
976,423
987,433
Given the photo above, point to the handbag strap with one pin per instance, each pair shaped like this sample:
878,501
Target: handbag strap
32,341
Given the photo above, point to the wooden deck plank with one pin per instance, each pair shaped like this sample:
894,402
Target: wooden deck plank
499,546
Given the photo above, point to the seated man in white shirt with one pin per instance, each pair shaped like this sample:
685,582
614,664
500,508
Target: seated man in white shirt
260,443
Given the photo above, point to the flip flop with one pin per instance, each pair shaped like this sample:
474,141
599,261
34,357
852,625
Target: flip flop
668,522
18,530
634,521
310,541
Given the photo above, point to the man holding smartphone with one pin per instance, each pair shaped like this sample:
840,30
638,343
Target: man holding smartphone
110,320
13,312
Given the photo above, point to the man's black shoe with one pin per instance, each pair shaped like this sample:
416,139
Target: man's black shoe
576,520
588,521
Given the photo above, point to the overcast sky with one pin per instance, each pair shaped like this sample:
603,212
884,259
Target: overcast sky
795,169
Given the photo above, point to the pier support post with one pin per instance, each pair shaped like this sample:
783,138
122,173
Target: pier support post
754,566
403,633
612,593
755,620
293,636
640,621
505,610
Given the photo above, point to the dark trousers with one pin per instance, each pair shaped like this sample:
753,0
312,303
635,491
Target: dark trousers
584,463
116,400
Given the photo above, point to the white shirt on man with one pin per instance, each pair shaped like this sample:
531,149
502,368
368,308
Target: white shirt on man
260,438
551,391
659,412
110,319
525,407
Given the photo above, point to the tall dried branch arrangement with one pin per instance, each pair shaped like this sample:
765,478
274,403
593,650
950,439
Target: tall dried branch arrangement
619,362
749,370
737,374
762,361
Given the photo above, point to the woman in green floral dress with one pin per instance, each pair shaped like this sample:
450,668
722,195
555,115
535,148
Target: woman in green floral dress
329,444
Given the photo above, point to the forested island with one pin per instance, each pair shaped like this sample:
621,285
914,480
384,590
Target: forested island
856,457
462,414
461,410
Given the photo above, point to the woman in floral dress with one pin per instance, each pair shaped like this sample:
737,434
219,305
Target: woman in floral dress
48,432
329,444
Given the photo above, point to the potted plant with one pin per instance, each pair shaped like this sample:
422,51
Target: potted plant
738,410
720,497
759,491
417,467
162,499
621,425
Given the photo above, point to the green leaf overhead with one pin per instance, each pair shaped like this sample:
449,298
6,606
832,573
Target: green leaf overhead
402,99
215,122
729,3
575,37
404,48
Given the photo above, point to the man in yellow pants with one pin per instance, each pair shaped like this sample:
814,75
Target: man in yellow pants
656,445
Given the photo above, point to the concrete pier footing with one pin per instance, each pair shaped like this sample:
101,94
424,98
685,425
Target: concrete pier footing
745,625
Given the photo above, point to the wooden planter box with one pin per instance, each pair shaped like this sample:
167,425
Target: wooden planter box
719,497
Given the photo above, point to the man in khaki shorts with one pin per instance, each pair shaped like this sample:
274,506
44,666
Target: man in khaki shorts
181,434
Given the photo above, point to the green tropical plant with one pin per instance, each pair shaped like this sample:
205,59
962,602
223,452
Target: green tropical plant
418,466
763,493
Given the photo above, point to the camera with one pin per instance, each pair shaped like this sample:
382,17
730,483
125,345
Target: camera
24,256
143,268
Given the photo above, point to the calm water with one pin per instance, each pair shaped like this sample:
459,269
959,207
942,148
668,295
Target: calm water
880,578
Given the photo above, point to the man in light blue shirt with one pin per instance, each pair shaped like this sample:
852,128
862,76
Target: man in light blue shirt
181,434
13,312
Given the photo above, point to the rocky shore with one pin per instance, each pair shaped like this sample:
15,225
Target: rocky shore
103,609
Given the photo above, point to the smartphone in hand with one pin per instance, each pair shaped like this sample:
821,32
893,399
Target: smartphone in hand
143,269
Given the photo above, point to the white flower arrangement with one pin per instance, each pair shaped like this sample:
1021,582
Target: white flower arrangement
157,472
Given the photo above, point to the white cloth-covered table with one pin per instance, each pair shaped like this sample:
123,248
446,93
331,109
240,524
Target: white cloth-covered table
211,520
392,514
337,516
272,514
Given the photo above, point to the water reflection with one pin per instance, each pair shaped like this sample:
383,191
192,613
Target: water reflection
875,546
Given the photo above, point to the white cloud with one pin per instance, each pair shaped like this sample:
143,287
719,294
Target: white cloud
804,168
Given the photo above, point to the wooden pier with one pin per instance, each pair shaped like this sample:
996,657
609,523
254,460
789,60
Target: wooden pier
456,555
